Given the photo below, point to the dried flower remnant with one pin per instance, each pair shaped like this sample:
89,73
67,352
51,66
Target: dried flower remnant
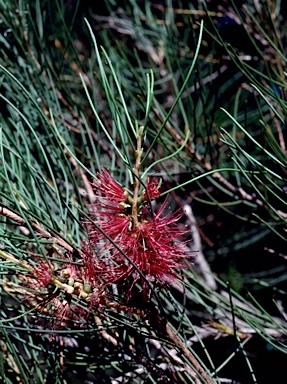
67,313
151,246
61,313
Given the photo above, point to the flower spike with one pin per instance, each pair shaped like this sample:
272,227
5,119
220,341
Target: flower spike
150,247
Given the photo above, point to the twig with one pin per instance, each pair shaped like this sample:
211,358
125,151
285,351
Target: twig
178,342
200,259
136,170
45,234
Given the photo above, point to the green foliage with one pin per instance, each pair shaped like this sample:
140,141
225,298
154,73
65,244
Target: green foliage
75,87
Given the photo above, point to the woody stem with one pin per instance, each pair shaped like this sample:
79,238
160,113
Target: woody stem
136,171
189,355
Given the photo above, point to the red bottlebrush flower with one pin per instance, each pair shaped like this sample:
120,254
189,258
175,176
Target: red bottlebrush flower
110,208
109,190
152,247
152,190
116,227
43,273
70,272
89,271
155,247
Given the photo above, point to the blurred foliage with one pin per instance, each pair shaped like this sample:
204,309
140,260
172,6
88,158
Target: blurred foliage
72,96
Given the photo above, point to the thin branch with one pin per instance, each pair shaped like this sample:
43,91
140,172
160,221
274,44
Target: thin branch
196,247
45,234
136,179
188,354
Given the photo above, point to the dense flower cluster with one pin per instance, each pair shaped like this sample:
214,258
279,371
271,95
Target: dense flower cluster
149,247
126,242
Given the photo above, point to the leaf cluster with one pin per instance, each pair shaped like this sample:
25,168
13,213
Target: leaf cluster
74,95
